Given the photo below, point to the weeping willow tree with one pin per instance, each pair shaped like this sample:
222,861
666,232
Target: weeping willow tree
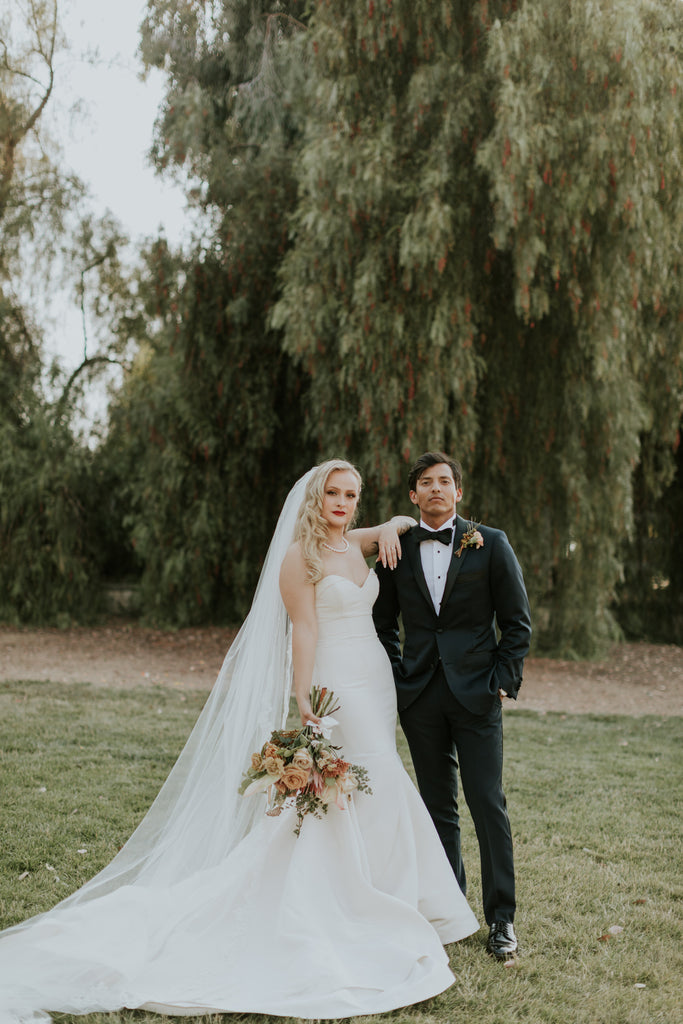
381,296
425,224
591,218
486,258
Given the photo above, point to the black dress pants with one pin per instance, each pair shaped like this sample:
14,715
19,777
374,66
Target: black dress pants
443,737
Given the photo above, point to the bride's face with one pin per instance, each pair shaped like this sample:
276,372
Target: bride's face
340,498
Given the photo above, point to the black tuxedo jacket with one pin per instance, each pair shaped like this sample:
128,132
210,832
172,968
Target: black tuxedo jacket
484,588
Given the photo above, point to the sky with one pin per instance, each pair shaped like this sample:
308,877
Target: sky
106,139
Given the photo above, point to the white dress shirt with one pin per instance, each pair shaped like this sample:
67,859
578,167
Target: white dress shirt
436,558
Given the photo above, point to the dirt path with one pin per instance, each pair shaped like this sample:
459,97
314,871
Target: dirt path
636,679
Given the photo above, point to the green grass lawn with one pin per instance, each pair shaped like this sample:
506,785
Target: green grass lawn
594,803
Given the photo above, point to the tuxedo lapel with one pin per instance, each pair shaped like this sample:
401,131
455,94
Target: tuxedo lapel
456,563
412,550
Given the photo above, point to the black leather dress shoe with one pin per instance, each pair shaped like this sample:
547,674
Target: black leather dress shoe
502,941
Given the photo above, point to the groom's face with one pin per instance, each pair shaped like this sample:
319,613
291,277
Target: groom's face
436,495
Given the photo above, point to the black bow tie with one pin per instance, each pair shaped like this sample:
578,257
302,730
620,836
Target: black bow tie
445,536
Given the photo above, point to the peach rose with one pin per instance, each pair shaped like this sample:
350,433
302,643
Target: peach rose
338,791
303,759
273,765
325,757
347,784
256,762
295,778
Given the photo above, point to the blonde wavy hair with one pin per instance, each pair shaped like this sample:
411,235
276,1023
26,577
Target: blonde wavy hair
311,528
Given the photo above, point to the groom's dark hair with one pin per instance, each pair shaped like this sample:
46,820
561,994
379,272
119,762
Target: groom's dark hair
433,459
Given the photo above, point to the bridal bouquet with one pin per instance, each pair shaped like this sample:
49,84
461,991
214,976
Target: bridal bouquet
300,767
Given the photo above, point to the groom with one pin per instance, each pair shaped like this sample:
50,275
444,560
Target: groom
453,586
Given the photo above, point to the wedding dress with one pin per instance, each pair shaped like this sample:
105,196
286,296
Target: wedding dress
347,919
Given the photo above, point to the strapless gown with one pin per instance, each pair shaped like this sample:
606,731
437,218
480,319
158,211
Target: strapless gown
350,918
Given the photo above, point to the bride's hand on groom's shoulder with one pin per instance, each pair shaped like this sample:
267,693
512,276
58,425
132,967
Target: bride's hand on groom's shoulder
388,540
383,540
388,545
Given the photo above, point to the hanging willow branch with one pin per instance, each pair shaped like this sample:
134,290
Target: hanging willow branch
87,363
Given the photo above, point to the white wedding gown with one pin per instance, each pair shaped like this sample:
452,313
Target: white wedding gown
347,919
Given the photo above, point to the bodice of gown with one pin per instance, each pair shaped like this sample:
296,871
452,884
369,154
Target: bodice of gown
344,609
351,661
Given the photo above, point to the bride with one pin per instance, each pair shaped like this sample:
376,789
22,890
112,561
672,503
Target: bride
213,906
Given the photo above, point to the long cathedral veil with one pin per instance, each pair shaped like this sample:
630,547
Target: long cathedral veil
198,816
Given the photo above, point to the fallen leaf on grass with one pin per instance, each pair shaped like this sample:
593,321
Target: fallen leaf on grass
639,903
24,874
604,938
639,984
615,929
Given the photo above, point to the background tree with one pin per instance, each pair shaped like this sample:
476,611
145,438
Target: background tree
206,425
650,600
50,536
419,225
488,226
582,161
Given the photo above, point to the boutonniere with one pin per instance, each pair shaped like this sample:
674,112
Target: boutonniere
470,539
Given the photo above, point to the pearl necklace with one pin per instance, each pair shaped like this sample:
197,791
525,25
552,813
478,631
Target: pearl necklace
340,551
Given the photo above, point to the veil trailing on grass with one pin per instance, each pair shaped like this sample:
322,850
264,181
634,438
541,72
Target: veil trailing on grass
198,816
